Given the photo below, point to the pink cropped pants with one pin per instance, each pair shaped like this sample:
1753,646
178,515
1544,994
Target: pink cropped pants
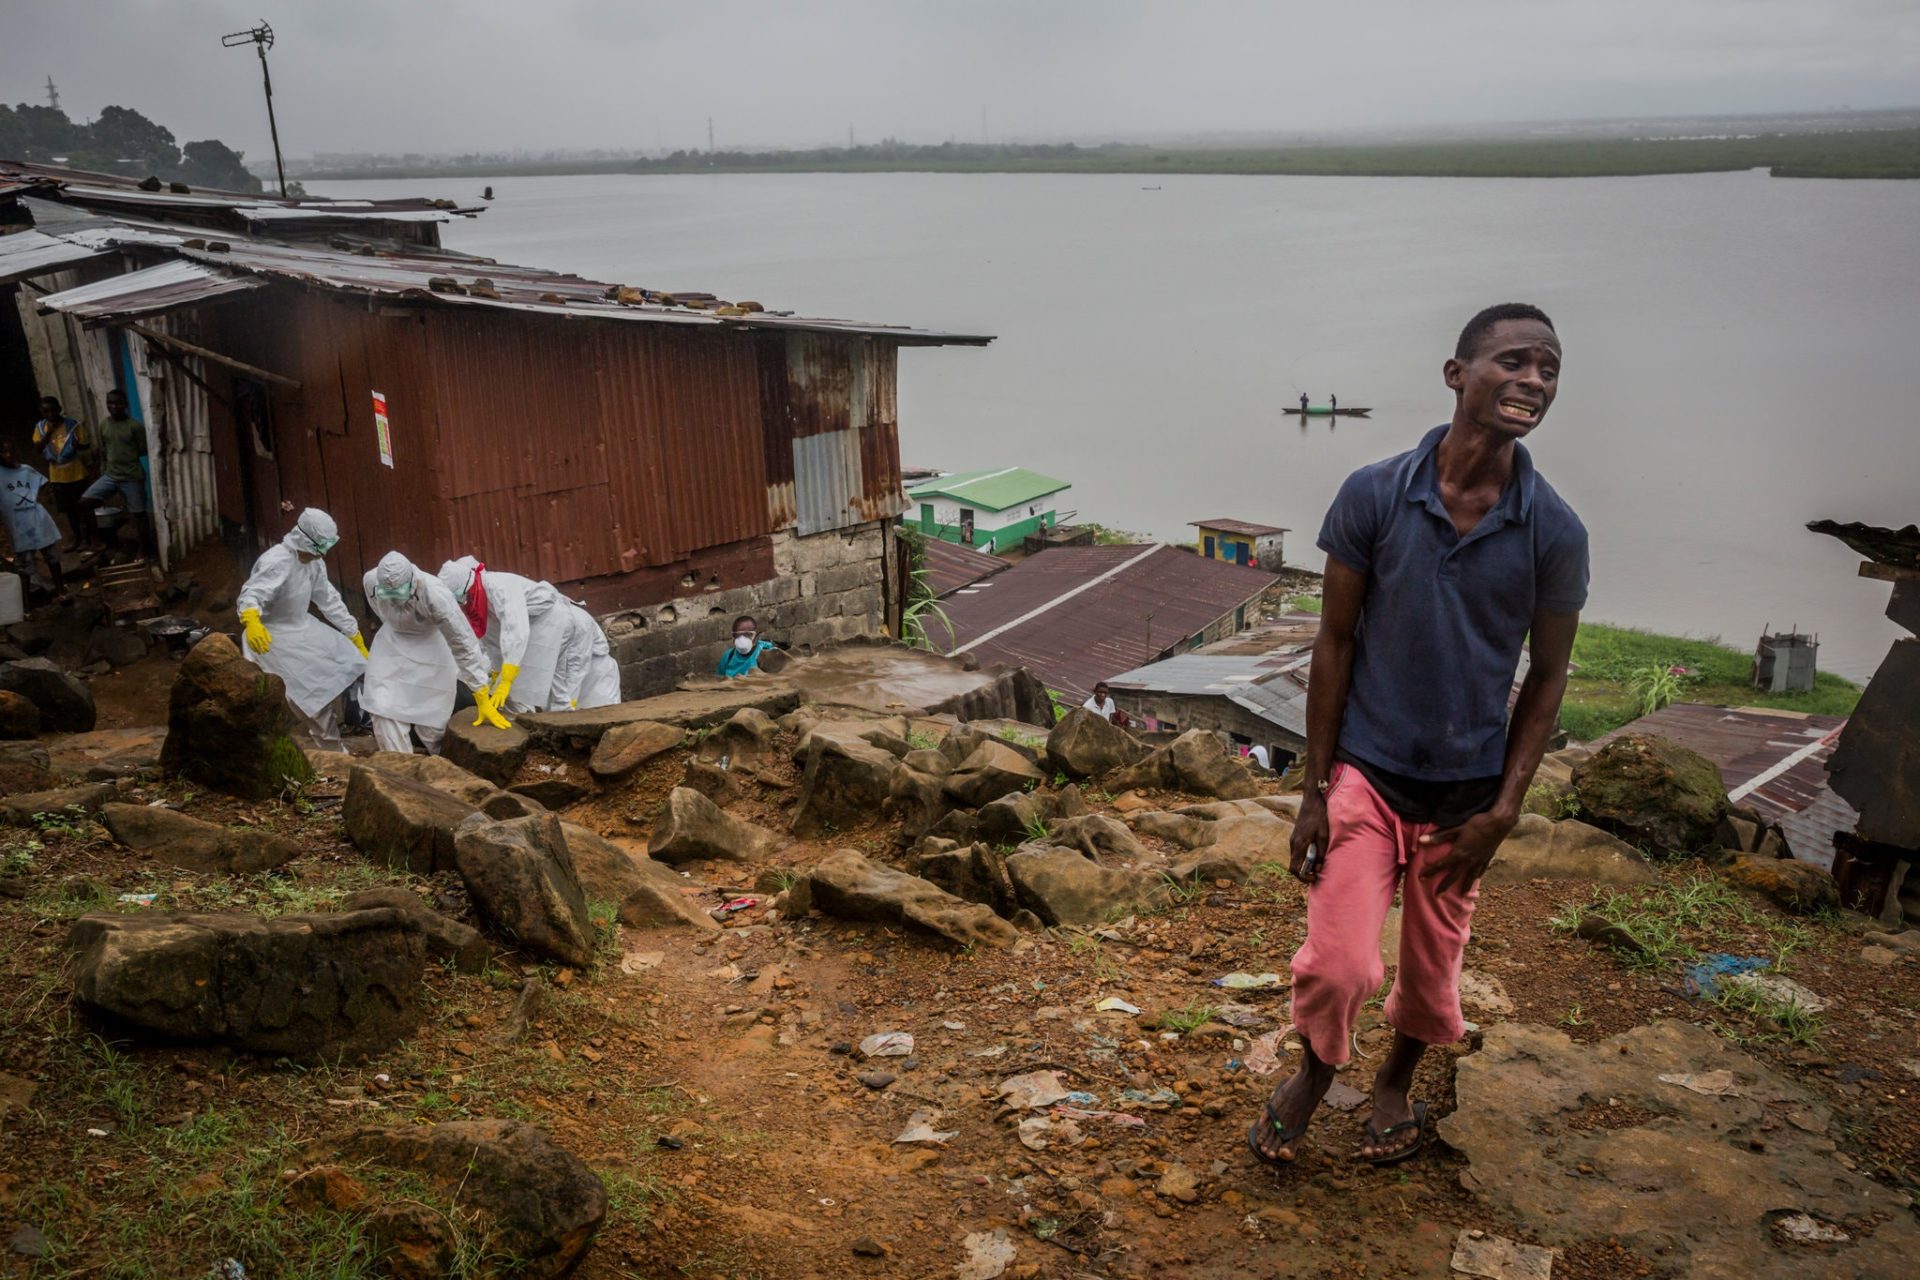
1338,968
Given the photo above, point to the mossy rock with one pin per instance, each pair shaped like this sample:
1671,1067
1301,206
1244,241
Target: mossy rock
228,725
1653,793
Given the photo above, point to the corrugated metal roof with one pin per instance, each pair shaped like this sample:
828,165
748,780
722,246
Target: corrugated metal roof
1898,547
1239,526
1264,670
28,253
1772,760
147,292
951,566
994,490
1076,615
116,191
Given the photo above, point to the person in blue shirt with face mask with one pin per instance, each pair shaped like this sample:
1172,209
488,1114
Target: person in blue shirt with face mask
743,655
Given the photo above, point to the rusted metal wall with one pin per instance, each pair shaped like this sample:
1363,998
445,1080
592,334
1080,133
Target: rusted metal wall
838,420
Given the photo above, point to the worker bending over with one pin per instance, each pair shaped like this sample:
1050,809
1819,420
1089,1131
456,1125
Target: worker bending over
521,623
423,646
317,661
586,675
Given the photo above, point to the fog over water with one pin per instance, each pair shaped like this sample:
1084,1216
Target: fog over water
1739,350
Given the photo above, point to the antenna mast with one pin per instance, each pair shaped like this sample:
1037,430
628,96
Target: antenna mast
261,38
53,94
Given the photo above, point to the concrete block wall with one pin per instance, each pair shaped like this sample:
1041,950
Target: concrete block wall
826,588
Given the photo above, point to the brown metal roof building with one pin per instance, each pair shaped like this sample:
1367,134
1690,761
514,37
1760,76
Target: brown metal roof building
951,566
671,455
1077,615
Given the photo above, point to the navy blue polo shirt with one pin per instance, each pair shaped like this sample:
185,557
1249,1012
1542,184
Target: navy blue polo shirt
1445,616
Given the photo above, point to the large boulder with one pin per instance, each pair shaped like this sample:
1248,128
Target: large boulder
228,724
1542,849
1238,844
746,737
529,1199
556,787
1197,763
520,875
1014,818
1062,887
645,894
915,799
437,772
65,704
1096,836
1797,886
1087,745
848,885
22,808
400,822
1653,793
181,841
107,754
843,786
624,748
447,939
992,770
694,828
490,753
19,717
300,985
977,873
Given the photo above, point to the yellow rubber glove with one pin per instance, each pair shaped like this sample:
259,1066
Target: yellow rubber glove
259,639
489,711
360,643
504,685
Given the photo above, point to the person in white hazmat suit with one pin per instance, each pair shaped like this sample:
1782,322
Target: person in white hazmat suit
317,660
423,646
586,675
521,623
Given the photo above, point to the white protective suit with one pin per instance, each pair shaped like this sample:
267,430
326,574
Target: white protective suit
316,659
526,626
586,675
423,646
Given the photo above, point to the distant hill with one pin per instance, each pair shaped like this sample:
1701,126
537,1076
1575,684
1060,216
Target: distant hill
120,141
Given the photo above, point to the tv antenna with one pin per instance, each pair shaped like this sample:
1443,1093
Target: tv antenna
261,38
53,94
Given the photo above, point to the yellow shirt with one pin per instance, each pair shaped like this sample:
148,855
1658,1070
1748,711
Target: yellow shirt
51,439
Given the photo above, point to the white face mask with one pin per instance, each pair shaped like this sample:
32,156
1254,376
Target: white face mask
743,643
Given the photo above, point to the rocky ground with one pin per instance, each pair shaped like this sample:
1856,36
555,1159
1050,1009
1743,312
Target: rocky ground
671,1005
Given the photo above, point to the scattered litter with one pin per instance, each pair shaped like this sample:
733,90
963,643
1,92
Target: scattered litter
1785,990
635,961
1263,1058
953,1026
229,1269
1159,1097
96,1133
1081,1098
1911,1066
726,972
988,1253
1804,1228
1712,1084
382,1077
1248,981
1484,991
139,899
1476,1253
1111,1117
1703,979
1114,1004
1242,1016
738,904
1037,1133
887,1044
920,1128
1344,1097
1033,1090
992,1051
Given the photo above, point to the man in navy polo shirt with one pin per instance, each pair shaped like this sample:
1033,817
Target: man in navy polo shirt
1441,563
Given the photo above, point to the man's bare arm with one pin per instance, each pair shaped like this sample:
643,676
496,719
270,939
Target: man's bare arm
1343,591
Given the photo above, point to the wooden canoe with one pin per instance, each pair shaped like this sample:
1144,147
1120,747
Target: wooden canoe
1322,411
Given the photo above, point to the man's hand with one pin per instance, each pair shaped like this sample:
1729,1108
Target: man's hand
1474,842
1310,830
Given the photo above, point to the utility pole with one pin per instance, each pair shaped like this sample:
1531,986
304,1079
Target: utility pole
983,122
849,137
53,94
261,38
709,135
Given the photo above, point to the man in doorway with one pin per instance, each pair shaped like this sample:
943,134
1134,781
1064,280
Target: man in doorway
1441,562
123,442
67,445
1103,705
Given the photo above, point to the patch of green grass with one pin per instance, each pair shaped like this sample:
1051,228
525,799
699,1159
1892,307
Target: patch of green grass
922,740
18,859
1020,739
1305,604
1601,697
1037,830
632,1198
604,916
1674,922
1185,1020
1769,1019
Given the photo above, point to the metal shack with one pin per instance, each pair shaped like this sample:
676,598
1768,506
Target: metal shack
672,459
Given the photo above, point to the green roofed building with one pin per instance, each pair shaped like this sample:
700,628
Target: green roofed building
991,510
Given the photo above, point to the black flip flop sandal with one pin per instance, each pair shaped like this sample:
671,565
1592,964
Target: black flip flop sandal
1379,1137
1287,1137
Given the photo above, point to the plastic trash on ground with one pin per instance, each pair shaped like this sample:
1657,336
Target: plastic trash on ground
920,1128
887,1044
1248,981
1114,1004
1704,979
1033,1090
1475,1253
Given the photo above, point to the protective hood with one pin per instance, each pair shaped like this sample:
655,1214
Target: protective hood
457,576
313,534
393,577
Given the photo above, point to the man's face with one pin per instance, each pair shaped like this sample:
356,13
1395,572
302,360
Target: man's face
744,628
1510,381
50,410
7,457
1100,692
116,404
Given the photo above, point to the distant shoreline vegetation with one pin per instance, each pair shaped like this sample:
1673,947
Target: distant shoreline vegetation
1882,153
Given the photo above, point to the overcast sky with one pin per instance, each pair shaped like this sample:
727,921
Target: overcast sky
453,75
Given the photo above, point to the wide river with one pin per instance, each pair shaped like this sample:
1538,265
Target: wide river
1741,352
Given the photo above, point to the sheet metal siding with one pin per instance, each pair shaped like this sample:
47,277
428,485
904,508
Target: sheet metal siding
179,440
842,387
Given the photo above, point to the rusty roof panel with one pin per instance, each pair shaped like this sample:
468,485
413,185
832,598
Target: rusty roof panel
147,292
28,253
950,566
1076,615
1239,526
